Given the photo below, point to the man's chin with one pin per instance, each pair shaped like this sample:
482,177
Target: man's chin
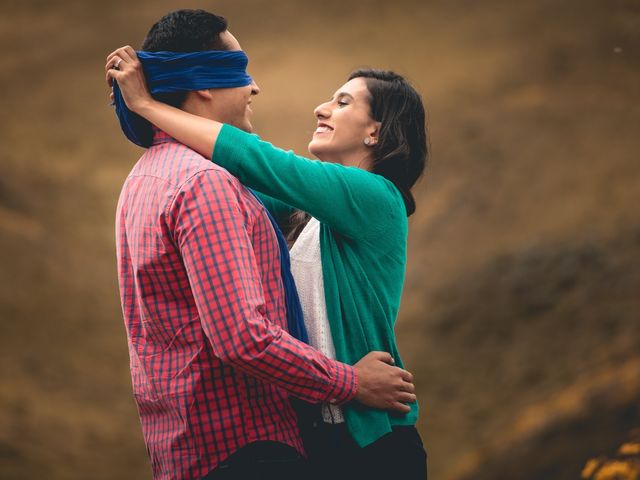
246,126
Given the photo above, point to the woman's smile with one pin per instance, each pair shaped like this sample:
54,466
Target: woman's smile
323,128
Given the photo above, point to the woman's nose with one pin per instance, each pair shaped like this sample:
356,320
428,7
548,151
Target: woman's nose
322,111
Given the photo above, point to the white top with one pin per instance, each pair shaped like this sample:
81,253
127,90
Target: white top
306,267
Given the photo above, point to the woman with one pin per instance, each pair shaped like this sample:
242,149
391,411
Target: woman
349,259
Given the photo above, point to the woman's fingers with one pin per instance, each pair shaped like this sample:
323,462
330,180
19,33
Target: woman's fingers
118,60
117,51
132,83
127,54
124,54
111,66
111,58
131,52
113,74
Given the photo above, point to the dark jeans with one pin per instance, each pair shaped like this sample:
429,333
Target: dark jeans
262,461
334,455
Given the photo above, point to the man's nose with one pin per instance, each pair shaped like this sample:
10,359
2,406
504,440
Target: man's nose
255,89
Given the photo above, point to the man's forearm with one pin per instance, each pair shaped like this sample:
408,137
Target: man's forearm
219,258
278,358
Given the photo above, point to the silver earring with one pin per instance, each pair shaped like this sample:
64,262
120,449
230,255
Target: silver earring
367,141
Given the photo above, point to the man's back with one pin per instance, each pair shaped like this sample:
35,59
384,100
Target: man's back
191,241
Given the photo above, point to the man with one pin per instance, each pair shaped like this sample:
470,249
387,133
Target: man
212,362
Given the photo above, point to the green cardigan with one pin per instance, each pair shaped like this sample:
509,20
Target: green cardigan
363,244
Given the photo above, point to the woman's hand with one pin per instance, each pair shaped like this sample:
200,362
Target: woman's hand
196,132
124,67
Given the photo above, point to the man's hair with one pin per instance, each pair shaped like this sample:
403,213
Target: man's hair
185,31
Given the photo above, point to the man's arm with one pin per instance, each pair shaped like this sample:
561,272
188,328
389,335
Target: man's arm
207,224
208,228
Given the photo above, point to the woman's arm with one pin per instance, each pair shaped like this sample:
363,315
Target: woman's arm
352,201
198,133
278,209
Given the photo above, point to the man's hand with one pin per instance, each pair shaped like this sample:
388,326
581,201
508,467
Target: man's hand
381,385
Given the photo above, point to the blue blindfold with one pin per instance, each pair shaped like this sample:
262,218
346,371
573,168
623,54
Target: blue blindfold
168,72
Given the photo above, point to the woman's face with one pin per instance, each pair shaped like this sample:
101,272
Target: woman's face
344,122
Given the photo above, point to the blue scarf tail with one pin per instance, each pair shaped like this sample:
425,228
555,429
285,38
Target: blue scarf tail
295,318
168,72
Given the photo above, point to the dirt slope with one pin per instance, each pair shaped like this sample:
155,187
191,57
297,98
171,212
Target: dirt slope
520,318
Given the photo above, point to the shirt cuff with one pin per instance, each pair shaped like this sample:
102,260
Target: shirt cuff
345,386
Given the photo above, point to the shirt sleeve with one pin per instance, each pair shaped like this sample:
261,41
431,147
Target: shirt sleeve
353,201
208,223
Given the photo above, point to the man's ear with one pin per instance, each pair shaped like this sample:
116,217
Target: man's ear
204,94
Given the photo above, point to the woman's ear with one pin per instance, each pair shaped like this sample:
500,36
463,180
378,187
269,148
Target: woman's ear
374,132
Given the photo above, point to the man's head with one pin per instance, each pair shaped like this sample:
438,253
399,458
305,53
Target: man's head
197,31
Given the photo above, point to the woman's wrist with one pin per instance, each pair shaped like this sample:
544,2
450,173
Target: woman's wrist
144,107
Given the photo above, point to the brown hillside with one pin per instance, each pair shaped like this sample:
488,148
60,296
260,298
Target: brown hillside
520,318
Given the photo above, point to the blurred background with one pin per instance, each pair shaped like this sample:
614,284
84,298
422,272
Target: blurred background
521,314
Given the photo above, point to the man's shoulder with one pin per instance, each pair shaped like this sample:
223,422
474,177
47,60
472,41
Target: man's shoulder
178,164
191,171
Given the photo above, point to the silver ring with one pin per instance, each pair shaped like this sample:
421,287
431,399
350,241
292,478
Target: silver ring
117,64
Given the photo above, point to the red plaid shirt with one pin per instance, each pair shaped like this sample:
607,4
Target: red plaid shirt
199,271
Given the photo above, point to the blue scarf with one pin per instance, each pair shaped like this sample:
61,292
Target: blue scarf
168,72
295,319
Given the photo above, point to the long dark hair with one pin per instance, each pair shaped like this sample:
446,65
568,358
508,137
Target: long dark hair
402,150
401,153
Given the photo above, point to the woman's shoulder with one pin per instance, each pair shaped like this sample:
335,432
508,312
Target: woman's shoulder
390,206
379,189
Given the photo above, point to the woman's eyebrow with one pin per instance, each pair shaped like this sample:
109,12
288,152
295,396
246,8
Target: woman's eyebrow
342,94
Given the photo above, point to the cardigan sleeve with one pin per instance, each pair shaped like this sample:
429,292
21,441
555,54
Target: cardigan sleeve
352,201
279,210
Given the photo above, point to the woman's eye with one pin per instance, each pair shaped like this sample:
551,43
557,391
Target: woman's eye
342,103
